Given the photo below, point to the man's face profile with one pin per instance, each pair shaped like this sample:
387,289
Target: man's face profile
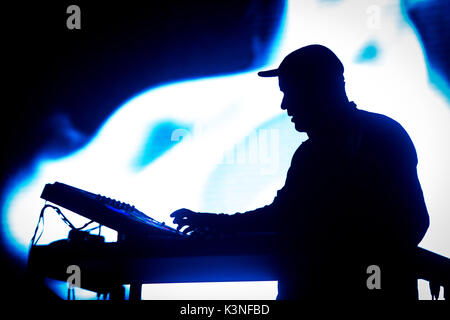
301,103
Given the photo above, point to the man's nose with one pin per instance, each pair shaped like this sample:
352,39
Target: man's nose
284,104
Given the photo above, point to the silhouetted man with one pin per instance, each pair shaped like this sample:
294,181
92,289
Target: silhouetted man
352,198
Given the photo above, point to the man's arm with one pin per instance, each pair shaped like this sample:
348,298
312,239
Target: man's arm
398,187
263,219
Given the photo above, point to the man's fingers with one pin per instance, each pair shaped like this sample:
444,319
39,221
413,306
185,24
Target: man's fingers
181,212
189,219
189,229
185,217
179,220
181,225
176,213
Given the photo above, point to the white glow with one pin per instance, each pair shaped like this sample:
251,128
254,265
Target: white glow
224,111
255,290
424,291
241,290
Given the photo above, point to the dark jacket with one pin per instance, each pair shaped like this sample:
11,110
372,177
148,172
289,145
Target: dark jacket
351,201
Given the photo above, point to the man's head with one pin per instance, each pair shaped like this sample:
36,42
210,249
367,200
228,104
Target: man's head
312,81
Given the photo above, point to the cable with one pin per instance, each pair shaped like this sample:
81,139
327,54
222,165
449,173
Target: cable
92,229
41,218
34,241
85,225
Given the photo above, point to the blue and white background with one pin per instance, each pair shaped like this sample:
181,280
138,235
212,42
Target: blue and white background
219,142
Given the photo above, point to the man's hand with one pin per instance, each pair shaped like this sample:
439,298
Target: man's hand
196,222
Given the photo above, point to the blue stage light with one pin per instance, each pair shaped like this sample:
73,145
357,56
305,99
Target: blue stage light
222,144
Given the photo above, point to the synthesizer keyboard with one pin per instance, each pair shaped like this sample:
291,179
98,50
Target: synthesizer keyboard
117,215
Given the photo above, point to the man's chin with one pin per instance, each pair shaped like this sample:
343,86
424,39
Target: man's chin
299,127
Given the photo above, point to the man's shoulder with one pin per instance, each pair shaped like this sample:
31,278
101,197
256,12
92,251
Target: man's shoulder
378,123
302,148
384,132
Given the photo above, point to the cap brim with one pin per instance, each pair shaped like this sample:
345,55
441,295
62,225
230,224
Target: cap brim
269,73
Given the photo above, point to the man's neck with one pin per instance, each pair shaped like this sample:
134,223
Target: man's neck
337,126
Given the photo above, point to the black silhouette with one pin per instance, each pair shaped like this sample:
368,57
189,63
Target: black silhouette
352,197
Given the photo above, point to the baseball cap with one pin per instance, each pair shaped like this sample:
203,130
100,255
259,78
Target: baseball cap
312,61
